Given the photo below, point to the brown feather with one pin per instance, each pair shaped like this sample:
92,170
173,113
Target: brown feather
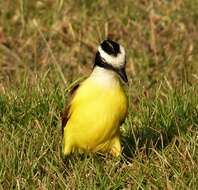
65,114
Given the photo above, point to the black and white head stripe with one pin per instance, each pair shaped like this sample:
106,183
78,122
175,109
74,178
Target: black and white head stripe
110,47
112,53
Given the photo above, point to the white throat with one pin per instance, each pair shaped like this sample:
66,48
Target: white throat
105,77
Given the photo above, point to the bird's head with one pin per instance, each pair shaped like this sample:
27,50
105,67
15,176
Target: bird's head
111,56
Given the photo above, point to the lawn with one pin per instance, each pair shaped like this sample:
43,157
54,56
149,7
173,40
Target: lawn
48,46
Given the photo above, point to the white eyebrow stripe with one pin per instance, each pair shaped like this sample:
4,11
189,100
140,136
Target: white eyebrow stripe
117,61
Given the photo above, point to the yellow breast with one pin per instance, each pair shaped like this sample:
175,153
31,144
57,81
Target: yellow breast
96,114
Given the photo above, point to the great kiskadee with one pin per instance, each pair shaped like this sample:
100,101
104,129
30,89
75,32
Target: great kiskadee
98,106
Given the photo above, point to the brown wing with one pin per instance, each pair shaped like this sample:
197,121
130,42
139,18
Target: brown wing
65,114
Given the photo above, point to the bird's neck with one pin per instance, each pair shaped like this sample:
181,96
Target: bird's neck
105,77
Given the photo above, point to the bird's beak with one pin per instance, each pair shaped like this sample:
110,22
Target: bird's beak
122,73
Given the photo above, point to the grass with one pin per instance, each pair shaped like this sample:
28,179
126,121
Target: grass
47,46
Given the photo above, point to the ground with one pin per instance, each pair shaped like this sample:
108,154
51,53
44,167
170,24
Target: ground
48,46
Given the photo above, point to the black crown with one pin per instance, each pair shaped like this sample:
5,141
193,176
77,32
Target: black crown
110,47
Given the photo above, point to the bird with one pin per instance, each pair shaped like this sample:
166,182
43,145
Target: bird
98,105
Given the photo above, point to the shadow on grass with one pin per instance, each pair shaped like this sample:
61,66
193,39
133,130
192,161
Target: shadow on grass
146,139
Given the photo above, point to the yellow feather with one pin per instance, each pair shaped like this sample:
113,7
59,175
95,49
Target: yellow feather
96,113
